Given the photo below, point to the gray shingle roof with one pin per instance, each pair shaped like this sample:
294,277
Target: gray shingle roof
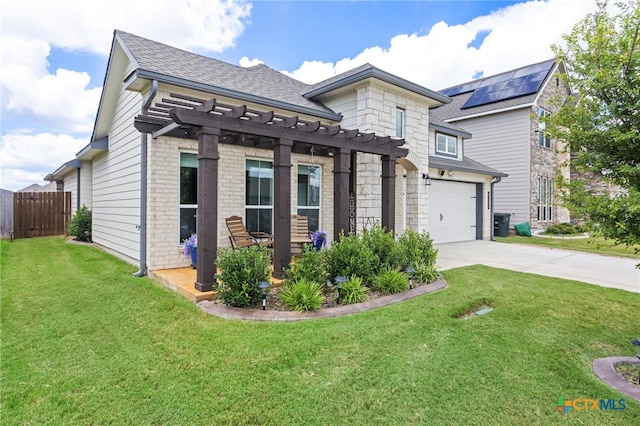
466,165
453,110
257,81
439,124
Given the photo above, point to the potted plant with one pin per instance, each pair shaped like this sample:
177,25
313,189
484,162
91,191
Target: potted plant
319,239
191,248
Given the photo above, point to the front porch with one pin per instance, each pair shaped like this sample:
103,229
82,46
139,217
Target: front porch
181,281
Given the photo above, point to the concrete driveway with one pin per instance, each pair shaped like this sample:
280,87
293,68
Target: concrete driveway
606,271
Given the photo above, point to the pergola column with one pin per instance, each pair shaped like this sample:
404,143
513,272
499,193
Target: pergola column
388,192
281,205
207,207
341,173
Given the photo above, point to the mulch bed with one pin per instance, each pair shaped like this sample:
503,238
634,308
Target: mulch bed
629,372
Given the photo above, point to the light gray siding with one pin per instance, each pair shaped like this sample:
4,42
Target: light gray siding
86,184
501,141
116,182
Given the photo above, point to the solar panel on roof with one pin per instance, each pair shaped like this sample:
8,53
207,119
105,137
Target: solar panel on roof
461,88
524,81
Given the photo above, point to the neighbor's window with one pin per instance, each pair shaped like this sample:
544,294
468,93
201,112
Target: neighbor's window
188,195
259,196
544,138
309,179
399,123
545,198
446,144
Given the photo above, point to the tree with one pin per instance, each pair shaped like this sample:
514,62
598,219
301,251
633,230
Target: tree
601,125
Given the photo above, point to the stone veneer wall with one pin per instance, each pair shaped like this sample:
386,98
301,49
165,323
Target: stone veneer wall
376,112
544,161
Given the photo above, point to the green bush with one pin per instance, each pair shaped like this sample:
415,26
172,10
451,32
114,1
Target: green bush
353,291
241,270
382,246
414,248
425,272
391,281
80,224
302,295
561,229
310,266
350,256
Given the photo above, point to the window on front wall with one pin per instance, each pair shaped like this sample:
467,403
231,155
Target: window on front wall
545,198
544,138
188,195
309,180
259,196
446,144
399,123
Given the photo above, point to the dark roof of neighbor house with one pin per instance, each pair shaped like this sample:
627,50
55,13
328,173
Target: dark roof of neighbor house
258,83
456,109
466,165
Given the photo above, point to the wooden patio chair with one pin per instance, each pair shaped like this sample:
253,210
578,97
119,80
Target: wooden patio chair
300,234
240,237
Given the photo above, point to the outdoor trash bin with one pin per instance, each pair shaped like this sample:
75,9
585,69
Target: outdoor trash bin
501,224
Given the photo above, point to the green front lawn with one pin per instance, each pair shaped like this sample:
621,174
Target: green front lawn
84,342
591,245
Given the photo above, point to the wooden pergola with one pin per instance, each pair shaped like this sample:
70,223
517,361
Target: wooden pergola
212,123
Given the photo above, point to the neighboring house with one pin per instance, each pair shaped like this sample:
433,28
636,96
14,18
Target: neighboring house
502,113
353,150
51,187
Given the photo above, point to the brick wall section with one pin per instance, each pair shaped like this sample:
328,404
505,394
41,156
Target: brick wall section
164,250
544,161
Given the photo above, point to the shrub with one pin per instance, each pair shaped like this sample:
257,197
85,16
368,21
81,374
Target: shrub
414,248
425,272
350,256
391,281
381,244
80,224
353,291
561,229
310,266
302,295
241,270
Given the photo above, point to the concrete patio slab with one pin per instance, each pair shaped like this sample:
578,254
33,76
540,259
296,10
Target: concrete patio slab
605,271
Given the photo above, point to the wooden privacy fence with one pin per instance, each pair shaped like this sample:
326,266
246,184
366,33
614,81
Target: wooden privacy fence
40,214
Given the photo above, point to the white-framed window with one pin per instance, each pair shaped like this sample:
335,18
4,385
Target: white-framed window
446,144
309,187
544,138
188,195
399,123
259,196
545,189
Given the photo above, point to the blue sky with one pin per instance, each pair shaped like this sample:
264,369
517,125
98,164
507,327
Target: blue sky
54,53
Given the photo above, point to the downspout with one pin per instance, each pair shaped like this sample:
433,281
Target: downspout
146,103
494,180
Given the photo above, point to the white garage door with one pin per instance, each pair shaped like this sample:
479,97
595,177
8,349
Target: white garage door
452,211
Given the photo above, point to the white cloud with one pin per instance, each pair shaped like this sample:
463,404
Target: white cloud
246,62
27,159
516,35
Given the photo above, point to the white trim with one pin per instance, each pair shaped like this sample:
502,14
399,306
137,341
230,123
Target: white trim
491,112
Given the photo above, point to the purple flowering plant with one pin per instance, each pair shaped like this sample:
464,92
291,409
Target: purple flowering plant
319,235
190,243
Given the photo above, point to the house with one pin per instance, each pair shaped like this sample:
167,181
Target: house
182,141
503,112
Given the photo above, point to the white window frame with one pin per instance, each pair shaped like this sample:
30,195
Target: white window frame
307,207
186,206
258,206
545,197
400,120
544,138
449,142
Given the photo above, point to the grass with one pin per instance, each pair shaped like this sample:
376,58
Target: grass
84,342
590,245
